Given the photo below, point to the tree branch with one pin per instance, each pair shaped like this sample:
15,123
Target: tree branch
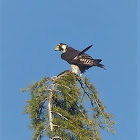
60,115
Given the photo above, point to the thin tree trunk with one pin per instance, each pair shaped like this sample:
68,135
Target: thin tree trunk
50,108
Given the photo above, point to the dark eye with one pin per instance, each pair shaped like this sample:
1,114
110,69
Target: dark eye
61,48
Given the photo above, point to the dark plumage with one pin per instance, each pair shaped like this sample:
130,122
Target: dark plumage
78,58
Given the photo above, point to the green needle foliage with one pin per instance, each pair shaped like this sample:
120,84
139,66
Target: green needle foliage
66,94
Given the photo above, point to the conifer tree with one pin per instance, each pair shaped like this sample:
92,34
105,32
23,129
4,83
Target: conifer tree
57,109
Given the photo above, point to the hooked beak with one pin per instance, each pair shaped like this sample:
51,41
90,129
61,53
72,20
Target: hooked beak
57,48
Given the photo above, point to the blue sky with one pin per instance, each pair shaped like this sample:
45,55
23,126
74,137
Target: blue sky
31,29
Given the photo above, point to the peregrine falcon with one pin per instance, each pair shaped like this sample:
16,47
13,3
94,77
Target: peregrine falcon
78,59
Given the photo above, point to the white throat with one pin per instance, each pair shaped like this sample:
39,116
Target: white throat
64,48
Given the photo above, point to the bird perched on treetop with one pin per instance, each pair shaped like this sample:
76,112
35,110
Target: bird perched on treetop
78,59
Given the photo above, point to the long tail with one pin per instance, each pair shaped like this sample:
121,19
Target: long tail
101,66
97,63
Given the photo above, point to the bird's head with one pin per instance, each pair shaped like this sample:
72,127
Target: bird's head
61,47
